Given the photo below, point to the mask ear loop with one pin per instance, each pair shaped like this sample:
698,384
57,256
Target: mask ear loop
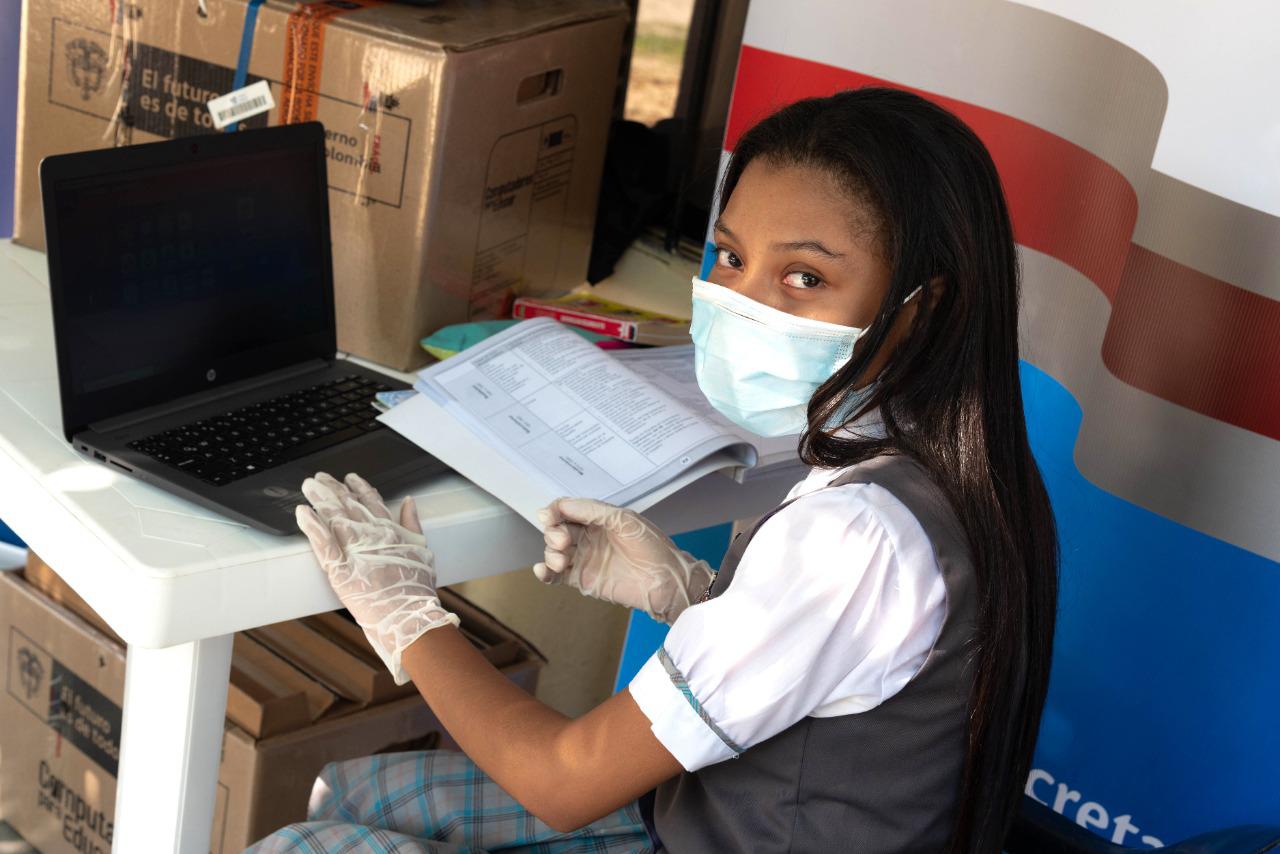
862,333
908,299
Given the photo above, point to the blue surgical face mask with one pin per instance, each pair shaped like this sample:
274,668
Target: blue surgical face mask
759,366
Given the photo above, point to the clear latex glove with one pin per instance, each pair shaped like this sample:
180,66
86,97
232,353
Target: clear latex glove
381,569
617,555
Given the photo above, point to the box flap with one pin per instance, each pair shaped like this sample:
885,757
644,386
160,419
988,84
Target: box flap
351,638
329,662
267,695
480,622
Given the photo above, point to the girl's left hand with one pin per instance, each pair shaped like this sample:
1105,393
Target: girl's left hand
381,569
617,555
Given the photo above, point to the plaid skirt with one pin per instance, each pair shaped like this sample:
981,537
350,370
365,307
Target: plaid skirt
436,801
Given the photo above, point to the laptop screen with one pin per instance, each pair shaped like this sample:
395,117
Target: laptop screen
179,277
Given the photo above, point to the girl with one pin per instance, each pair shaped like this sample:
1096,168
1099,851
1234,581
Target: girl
867,669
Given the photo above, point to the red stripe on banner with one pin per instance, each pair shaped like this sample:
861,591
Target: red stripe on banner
1037,168
1174,332
1196,341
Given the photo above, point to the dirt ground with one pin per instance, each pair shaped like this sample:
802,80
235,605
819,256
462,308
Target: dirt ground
661,29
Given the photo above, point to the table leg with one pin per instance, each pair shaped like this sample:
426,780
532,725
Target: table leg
175,701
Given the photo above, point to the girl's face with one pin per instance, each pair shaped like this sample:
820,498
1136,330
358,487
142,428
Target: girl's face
791,238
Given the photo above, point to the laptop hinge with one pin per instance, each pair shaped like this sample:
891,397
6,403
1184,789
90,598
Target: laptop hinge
204,398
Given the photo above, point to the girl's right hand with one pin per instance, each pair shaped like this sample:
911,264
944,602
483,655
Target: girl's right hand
617,555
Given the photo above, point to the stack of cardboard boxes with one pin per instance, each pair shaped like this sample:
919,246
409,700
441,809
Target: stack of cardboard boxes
465,140
302,694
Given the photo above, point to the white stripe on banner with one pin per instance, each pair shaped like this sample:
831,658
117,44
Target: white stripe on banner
1048,71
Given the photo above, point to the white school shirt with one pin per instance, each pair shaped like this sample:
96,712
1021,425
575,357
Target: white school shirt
834,607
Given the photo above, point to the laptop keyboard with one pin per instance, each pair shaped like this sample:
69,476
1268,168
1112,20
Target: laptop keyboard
245,441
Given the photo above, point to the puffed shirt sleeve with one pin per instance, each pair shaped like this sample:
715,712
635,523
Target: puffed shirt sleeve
833,608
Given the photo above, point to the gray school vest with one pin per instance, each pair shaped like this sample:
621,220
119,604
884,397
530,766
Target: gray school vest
883,780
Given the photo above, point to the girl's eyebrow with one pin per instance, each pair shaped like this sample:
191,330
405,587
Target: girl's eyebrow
808,246
724,229
814,246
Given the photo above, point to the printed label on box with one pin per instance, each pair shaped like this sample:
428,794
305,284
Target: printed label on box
241,105
165,95
70,706
368,164
525,192
29,674
82,823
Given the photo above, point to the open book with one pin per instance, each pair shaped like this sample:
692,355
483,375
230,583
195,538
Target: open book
536,413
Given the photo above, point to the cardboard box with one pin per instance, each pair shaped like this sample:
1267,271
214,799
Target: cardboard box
266,695
59,746
465,141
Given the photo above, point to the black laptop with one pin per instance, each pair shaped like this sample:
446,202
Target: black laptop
193,313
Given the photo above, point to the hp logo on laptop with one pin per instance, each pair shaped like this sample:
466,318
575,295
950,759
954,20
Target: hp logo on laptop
211,375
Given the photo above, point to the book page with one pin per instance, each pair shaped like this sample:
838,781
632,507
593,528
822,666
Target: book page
671,369
430,426
570,417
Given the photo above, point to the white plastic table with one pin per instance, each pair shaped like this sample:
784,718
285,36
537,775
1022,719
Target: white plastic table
176,580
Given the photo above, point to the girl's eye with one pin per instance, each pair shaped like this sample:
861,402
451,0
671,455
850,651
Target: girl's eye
802,280
726,258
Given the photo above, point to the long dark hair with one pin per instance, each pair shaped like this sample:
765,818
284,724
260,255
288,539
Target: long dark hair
949,395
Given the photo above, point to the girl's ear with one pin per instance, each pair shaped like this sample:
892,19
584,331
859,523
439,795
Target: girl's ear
934,290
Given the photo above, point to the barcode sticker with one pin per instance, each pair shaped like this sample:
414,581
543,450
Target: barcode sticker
241,104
